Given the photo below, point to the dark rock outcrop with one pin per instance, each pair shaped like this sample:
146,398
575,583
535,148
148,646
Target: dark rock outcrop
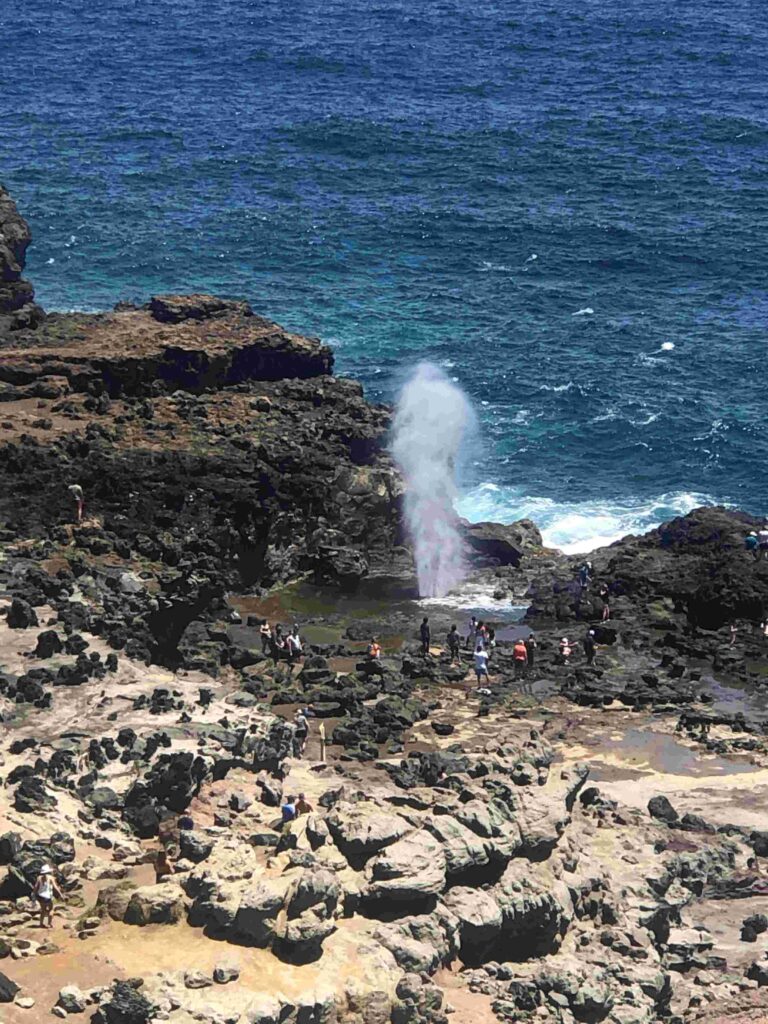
18,310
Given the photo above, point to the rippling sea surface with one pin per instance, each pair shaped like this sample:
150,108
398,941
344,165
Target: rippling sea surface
563,204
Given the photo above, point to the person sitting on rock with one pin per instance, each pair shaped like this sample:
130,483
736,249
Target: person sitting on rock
425,634
453,643
163,866
565,650
265,633
520,658
44,891
79,498
374,650
288,810
303,806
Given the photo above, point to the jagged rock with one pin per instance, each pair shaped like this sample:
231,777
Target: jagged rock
409,871
155,904
72,999
463,850
8,989
480,921
360,831
18,310
126,1005
21,615
659,807
504,545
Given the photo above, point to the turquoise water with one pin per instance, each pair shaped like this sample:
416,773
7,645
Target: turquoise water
562,204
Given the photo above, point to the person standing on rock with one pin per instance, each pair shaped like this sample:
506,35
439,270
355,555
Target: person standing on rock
277,644
266,637
530,646
589,646
293,644
471,633
303,806
605,596
585,574
520,658
453,643
565,650
425,634
762,542
79,498
752,545
481,663
44,891
321,734
733,631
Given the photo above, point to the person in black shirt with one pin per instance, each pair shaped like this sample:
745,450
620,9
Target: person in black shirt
425,635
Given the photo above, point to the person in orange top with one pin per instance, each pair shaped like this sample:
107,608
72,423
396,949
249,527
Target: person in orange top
520,656
374,649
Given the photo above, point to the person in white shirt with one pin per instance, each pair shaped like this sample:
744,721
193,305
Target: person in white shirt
44,891
481,663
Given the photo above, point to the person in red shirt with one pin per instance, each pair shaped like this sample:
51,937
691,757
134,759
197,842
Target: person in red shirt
520,656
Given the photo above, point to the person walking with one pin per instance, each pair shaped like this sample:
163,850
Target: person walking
520,658
590,646
79,499
44,891
321,735
453,643
301,722
265,633
530,646
425,635
733,632
585,574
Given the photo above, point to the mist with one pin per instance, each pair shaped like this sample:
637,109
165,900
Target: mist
432,419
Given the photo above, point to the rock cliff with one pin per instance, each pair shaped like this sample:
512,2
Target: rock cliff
18,310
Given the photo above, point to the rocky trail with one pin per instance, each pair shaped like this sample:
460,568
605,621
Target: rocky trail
586,842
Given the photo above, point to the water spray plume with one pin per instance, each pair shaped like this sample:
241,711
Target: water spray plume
431,421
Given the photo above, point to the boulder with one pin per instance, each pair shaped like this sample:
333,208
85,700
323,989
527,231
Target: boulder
480,921
72,999
359,830
21,614
409,871
660,808
8,989
126,1005
463,850
155,904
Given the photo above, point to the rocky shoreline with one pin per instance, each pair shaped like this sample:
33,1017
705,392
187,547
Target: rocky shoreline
584,843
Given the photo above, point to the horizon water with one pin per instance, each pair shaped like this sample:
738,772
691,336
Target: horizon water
562,207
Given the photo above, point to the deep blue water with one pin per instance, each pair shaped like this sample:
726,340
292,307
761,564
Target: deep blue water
542,197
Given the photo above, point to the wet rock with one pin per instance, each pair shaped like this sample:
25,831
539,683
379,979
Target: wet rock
503,545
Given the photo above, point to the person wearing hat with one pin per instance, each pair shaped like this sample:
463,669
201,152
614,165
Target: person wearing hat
44,891
751,544
589,646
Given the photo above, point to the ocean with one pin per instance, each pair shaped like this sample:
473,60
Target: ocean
562,204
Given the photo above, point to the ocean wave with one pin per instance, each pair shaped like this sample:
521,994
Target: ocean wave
577,527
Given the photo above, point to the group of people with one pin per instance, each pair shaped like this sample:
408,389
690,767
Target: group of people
604,593
756,542
281,646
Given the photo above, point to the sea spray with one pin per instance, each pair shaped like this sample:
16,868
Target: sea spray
432,419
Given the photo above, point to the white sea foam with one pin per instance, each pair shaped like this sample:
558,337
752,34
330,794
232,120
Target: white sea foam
667,346
587,311
576,527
